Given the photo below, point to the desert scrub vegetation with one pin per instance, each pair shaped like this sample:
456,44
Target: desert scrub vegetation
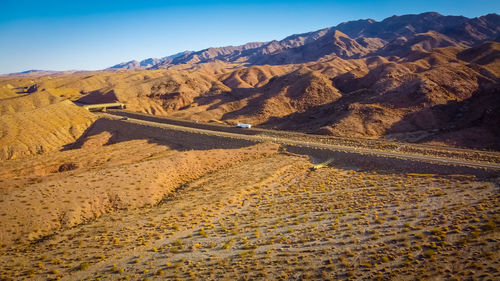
286,222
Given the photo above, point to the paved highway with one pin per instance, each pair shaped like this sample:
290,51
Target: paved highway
373,144
311,144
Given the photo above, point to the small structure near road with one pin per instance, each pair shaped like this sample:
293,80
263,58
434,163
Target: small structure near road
103,106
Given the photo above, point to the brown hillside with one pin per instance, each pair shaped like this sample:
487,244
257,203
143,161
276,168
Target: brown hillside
423,96
39,123
254,76
143,181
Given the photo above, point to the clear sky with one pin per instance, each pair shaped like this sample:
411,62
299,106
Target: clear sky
90,34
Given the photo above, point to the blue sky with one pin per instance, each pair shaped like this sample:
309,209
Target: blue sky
88,35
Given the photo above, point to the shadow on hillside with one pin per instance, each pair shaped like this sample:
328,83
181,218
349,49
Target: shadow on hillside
185,123
26,90
122,131
315,117
216,100
291,86
257,98
471,123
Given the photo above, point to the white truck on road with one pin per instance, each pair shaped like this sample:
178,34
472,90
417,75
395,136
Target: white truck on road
242,125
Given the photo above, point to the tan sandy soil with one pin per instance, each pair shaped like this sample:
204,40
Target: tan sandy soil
38,123
134,202
274,218
38,206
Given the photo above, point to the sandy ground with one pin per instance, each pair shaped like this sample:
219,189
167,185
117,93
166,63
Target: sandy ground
48,203
265,216
39,123
134,202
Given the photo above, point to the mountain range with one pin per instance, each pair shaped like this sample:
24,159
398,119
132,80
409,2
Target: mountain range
425,78
393,36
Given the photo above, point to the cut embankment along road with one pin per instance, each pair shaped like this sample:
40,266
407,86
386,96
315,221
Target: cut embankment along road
403,148
349,157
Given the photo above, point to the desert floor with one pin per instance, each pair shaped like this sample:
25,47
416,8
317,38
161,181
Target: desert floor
139,210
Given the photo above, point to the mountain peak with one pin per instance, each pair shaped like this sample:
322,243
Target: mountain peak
338,34
366,37
432,14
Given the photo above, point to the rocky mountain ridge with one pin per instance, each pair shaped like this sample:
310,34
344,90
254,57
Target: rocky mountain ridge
393,36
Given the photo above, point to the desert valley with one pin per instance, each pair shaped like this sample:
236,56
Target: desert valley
373,154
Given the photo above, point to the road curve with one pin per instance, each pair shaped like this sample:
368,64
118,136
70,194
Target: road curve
307,144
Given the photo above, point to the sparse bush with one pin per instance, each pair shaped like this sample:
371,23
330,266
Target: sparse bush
489,226
429,253
83,266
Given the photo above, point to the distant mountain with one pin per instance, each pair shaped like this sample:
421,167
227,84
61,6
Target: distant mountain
147,63
32,72
134,64
393,36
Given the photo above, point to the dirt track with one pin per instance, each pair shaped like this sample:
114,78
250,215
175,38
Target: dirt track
347,156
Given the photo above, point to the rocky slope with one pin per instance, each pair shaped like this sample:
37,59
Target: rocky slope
418,78
145,64
396,35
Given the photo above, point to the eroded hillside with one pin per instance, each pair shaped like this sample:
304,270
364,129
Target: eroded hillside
37,123
446,95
